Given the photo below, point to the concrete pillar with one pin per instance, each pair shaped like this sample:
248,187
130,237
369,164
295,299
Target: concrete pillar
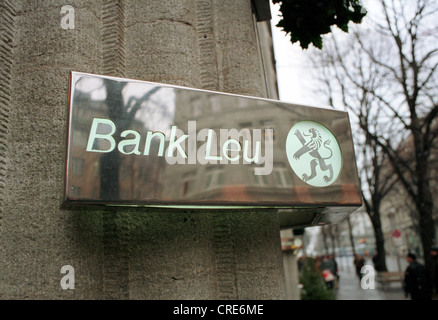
37,237
124,253
291,271
291,275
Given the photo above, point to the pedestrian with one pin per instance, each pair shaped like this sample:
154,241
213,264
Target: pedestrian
359,262
336,270
415,283
328,272
318,261
434,254
301,261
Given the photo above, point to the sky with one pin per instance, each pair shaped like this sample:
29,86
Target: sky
293,72
294,79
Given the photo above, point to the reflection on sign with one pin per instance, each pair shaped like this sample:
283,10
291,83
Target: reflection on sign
147,144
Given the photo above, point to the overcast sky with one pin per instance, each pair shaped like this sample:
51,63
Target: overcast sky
294,80
294,77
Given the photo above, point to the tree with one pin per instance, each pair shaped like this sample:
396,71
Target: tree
307,20
377,181
324,240
350,233
333,232
314,287
387,76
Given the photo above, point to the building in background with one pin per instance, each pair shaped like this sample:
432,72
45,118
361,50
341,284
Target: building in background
399,224
399,216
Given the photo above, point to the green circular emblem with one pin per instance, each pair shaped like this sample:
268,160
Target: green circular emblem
314,153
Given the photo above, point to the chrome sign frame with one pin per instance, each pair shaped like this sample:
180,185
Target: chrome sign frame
138,143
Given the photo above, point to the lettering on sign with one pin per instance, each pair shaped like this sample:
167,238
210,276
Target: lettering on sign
140,143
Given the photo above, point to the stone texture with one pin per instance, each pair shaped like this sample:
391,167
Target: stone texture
123,253
8,13
237,55
39,237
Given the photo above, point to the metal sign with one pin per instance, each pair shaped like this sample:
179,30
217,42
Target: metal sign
139,143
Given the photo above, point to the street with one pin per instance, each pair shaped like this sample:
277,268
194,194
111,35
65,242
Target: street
349,286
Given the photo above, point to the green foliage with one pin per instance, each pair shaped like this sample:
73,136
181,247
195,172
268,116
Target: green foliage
314,287
307,20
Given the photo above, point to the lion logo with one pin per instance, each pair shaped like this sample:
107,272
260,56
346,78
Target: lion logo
314,153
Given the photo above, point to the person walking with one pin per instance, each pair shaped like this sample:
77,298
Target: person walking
359,262
328,271
415,283
336,270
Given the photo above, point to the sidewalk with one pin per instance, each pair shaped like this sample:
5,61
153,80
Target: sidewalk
349,289
349,286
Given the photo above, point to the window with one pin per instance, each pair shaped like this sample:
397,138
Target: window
268,124
214,177
282,177
77,166
188,182
261,180
96,169
244,125
80,138
75,191
187,185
